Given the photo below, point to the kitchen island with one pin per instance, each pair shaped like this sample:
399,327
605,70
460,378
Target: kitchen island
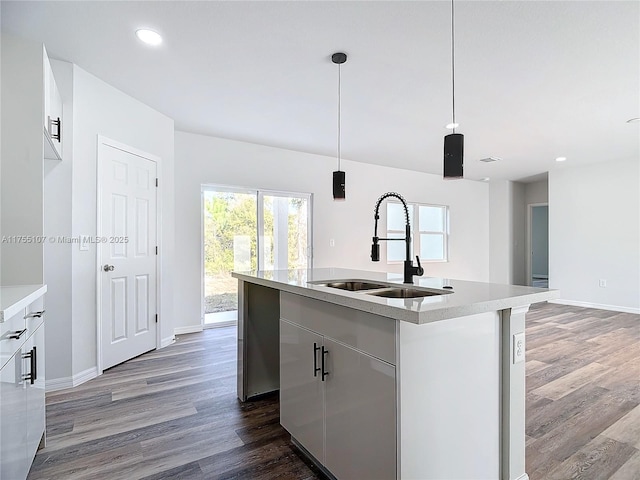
375,385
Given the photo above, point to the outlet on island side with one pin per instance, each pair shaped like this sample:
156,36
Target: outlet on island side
332,242
518,348
602,283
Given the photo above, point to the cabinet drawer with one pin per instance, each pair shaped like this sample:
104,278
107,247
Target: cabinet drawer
12,327
367,332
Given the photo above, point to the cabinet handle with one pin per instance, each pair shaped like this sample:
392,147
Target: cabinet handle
34,365
32,360
315,359
55,123
34,315
324,352
17,334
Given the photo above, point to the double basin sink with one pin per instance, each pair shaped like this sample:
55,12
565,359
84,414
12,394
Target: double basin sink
387,290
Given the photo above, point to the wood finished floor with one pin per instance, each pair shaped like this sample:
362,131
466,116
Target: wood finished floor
173,413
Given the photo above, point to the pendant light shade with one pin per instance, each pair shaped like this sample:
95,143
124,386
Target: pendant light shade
454,142
338,185
339,192
453,154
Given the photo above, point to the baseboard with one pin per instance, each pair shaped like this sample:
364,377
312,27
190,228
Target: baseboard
165,342
524,476
228,323
599,306
189,329
55,384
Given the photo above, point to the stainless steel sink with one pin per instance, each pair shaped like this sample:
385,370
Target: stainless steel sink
404,293
351,285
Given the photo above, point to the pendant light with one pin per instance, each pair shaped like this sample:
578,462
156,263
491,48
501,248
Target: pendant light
339,176
454,142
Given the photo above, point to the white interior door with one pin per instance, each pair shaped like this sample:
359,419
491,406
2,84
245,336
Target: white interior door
128,255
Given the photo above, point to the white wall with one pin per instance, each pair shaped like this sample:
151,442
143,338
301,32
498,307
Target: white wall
57,256
594,233
21,154
99,109
536,192
94,108
519,219
500,228
201,160
507,218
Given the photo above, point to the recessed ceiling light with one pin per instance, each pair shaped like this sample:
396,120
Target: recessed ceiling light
561,159
633,120
149,37
451,126
489,159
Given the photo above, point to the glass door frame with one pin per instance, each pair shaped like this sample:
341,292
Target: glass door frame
259,193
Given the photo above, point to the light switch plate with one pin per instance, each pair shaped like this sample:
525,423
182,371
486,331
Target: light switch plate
84,243
518,348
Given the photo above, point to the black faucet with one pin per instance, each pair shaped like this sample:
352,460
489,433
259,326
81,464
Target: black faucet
409,269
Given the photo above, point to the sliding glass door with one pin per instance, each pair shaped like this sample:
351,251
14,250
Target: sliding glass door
285,231
245,229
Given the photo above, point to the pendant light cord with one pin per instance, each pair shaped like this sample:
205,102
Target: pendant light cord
339,111
453,70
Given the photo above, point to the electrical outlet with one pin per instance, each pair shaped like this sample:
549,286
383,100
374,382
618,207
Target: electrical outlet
602,283
518,348
332,243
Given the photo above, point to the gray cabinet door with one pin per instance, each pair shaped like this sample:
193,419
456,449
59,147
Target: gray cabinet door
301,394
360,415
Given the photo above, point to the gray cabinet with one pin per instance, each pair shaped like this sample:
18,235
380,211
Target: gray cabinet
359,388
301,389
330,391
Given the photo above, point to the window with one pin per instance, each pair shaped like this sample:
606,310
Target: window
429,232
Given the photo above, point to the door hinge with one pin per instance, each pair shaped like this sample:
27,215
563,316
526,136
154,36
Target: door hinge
156,249
156,182
156,318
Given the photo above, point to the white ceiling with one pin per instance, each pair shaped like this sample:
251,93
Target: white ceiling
534,79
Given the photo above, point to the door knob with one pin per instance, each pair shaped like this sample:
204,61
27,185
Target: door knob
108,268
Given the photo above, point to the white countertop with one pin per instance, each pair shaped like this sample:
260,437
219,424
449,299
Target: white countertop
15,298
467,298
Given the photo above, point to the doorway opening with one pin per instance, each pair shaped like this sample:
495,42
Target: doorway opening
248,229
538,258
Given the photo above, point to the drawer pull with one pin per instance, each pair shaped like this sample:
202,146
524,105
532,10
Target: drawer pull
58,124
17,334
34,314
315,359
324,352
33,360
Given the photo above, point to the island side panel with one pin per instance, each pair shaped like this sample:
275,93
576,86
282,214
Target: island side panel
513,396
449,398
258,340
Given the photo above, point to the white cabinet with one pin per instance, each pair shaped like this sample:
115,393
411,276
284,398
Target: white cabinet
33,358
22,383
13,420
52,119
331,391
